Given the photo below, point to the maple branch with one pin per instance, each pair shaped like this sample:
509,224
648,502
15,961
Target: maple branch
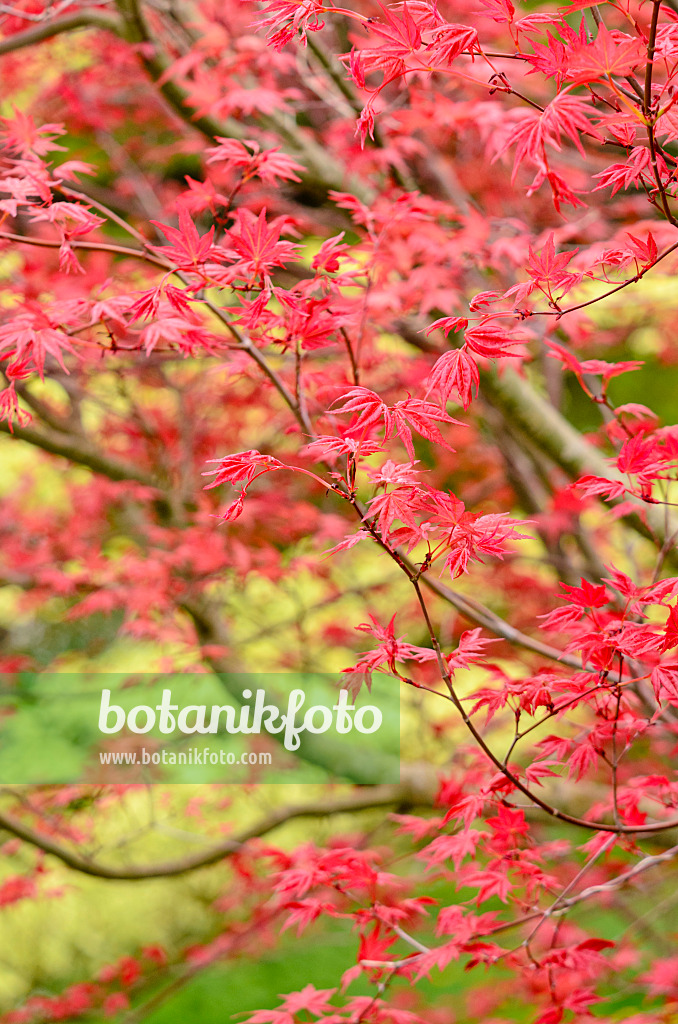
42,410
483,616
243,340
525,472
88,17
297,408
647,111
321,169
553,812
612,291
502,766
562,908
369,799
482,743
333,757
132,26
473,610
336,72
119,250
645,864
156,65
556,436
520,402
84,454
561,898
81,452
467,606
329,753
414,578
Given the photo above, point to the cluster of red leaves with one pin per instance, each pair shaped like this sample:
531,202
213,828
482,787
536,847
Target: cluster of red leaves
107,995
309,319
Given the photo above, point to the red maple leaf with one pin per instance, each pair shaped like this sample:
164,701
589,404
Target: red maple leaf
611,53
258,243
188,249
491,340
671,630
455,372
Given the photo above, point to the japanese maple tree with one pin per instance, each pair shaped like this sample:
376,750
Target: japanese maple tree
352,310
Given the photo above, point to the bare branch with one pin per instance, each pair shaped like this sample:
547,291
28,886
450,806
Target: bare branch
376,796
82,453
88,17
